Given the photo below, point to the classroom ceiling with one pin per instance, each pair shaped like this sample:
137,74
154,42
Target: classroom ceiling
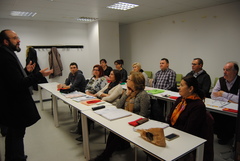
70,10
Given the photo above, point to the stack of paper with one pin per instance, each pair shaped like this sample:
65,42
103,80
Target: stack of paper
83,98
151,124
113,113
73,94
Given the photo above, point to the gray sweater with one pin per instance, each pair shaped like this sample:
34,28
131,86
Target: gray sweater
141,103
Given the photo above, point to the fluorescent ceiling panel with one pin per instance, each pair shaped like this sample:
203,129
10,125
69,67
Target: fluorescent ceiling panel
122,6
22,13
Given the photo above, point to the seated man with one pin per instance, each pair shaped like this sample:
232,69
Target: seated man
204,80
75,81
226,89
166,77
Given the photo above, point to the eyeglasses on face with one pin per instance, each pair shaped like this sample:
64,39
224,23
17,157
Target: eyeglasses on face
194,64
15,38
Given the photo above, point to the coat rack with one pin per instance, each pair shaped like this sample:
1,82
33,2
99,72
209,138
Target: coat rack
58,46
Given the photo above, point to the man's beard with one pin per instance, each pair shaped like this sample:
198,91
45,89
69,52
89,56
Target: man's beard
18,49
14,47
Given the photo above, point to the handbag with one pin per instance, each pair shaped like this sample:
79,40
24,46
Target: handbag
154,136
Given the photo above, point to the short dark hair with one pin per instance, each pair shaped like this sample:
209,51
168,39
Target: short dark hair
119,61
104,60
165,60
3,36
117,75
235,65
200,61
73,63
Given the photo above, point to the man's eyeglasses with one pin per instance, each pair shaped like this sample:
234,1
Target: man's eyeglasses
194,64
15,38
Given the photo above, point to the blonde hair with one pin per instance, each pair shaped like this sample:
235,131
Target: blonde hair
137,64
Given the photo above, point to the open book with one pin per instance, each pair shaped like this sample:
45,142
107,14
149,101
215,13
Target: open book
113,113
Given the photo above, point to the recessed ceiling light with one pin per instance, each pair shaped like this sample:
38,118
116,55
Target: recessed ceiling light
21,13
87,19
122,6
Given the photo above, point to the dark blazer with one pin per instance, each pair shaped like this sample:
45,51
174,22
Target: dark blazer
192,119
17,107
204,82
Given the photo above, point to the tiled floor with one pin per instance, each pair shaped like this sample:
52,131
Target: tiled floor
44,142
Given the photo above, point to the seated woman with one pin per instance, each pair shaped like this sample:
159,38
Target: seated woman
119,66
97,82
137,68
136,100
189,112
111,92
107,69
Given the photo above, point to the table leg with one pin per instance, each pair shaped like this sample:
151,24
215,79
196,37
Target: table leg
86,148
199,153
136,152
55,110
75,112
40,97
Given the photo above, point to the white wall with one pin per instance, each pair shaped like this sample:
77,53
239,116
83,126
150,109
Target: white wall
211,34
54,33
109,41
104,41
93,39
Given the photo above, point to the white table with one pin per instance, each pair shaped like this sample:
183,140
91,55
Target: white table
217,106
52,88
174,149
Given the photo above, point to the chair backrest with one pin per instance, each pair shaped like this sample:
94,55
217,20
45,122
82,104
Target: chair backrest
215,81
150,82
156,112
178,79
149,74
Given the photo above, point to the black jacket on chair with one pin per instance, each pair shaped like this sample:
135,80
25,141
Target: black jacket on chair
17,106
